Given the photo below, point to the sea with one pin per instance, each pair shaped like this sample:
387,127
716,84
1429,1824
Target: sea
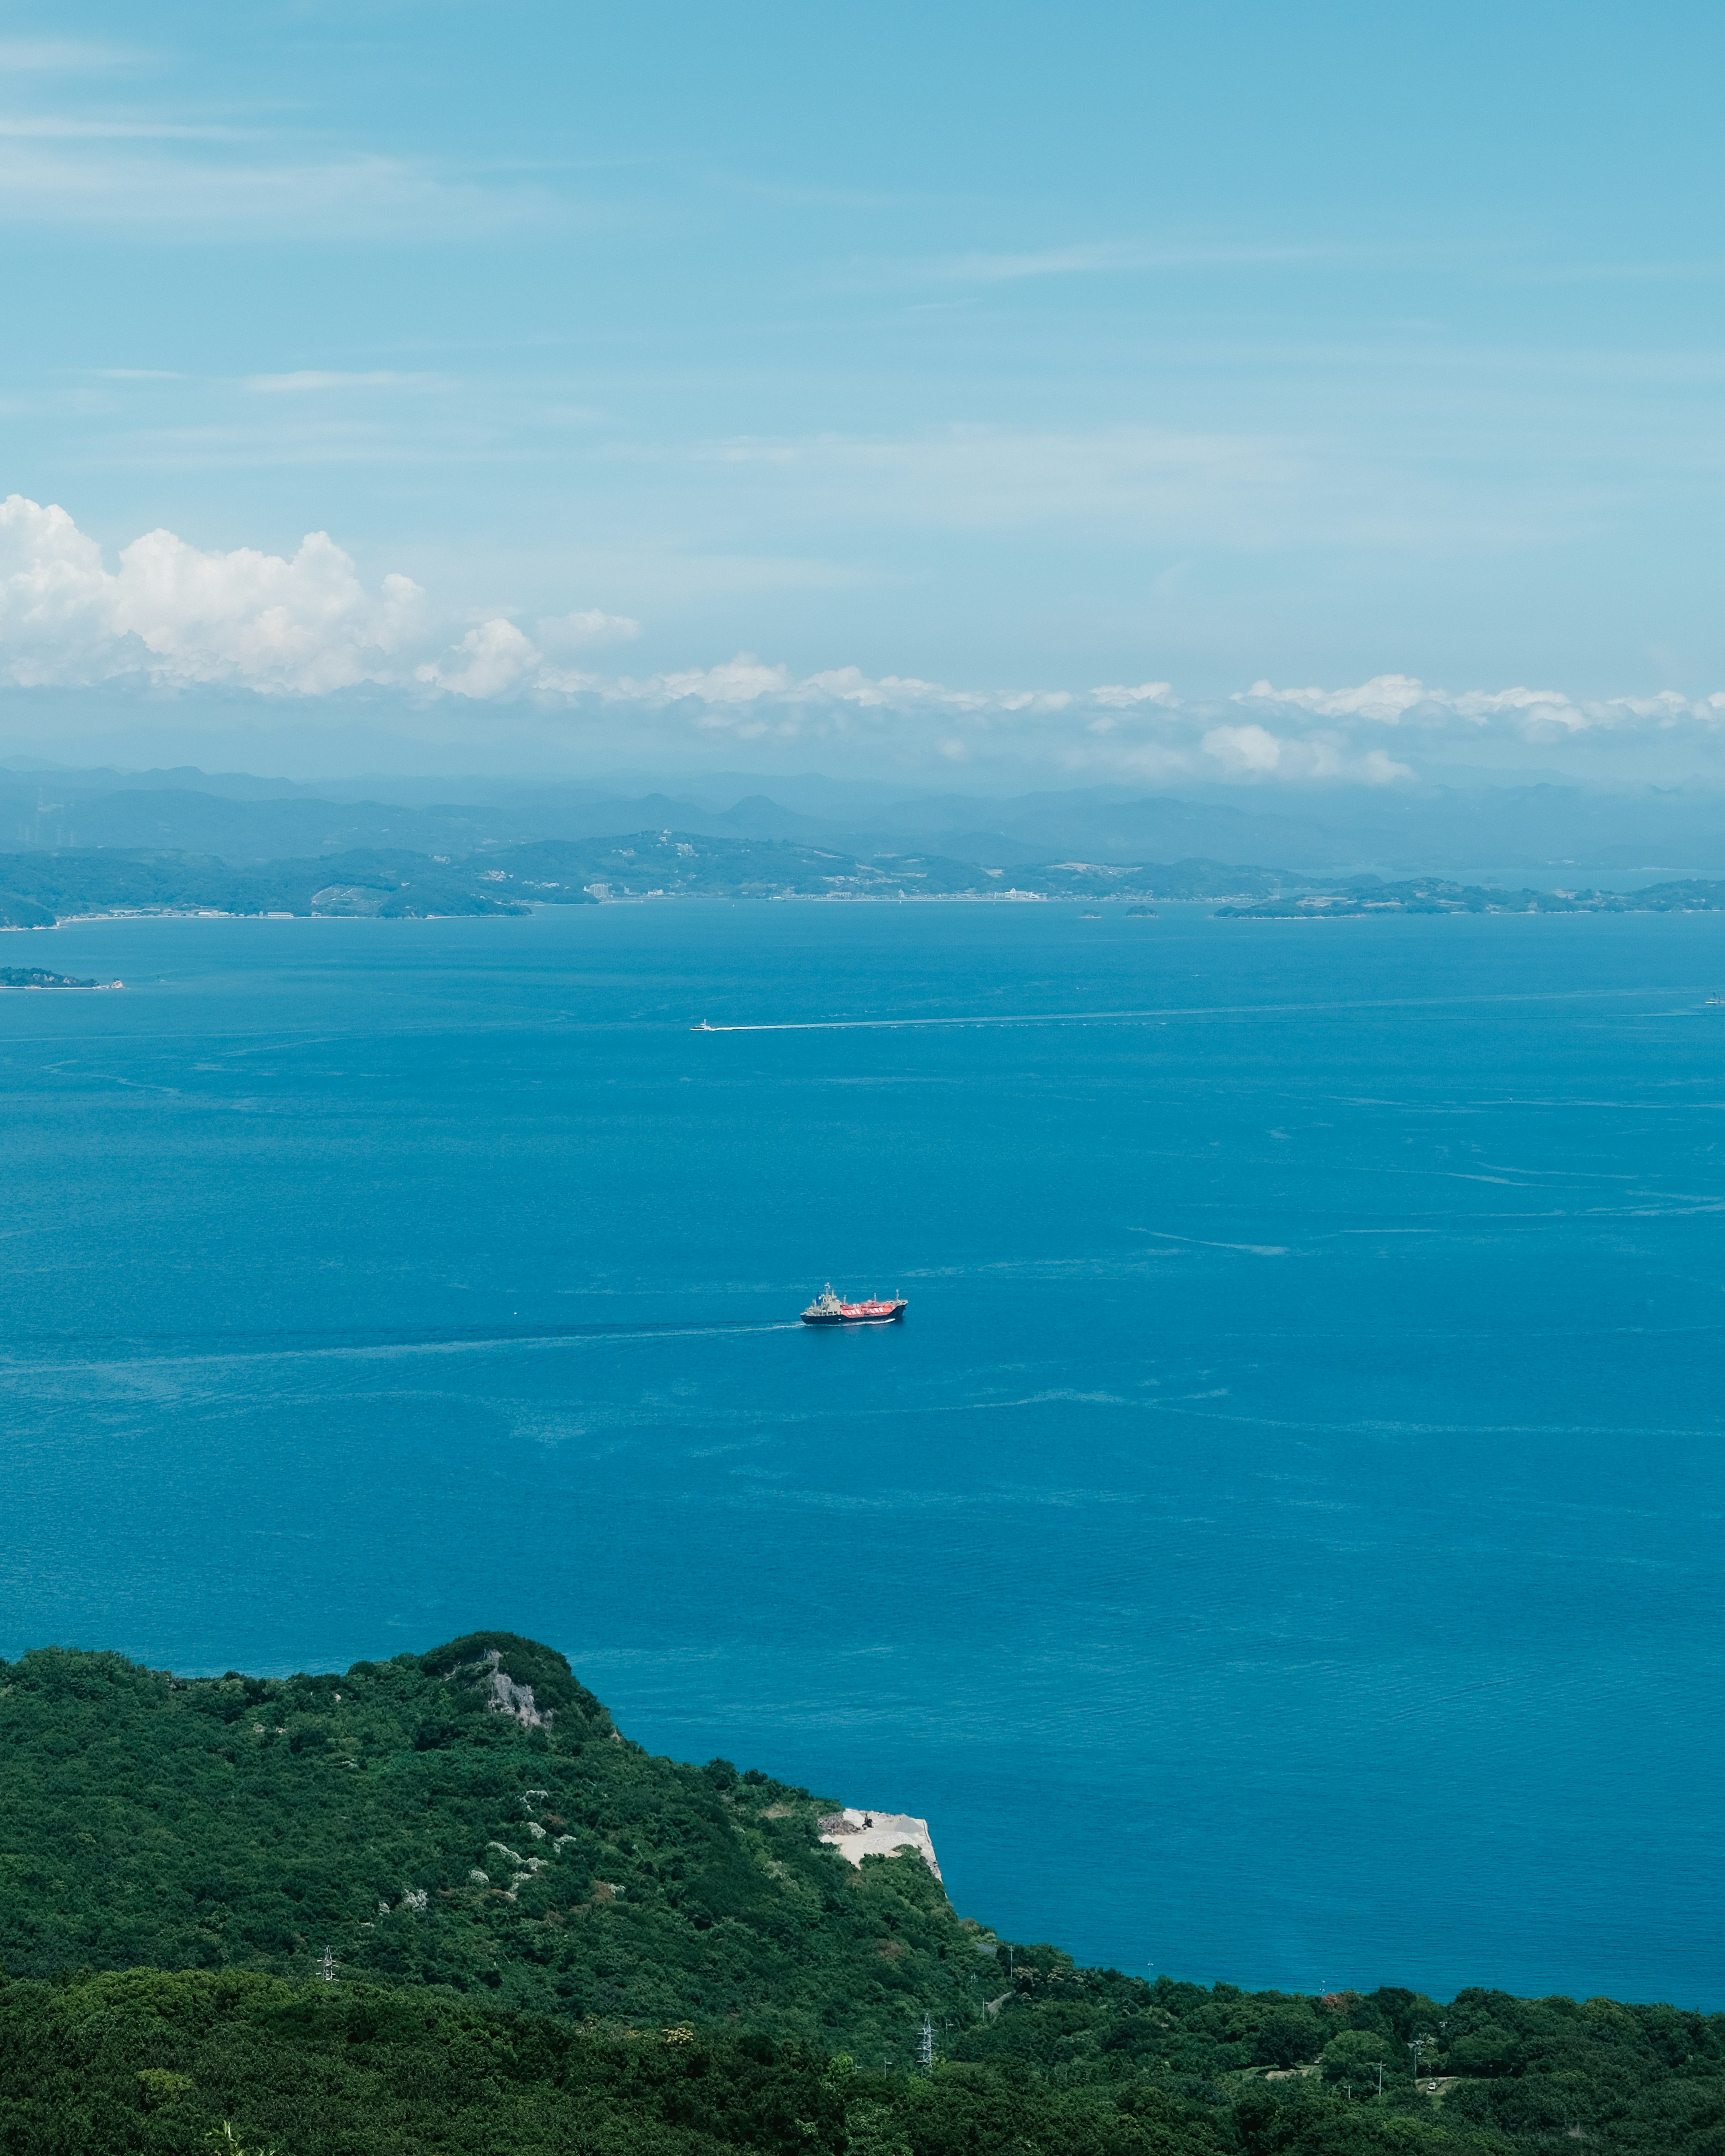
1282,1545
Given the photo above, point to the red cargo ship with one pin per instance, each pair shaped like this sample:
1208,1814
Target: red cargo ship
829,1309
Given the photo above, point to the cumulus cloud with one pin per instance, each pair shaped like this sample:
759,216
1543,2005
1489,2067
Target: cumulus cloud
171,615
488,661
1535,715
586,627
176,615
1253,751
1385,696
1116,696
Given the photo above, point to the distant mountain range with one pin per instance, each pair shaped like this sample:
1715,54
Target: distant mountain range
1478,834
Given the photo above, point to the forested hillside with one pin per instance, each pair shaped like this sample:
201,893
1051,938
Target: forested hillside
540,1937
395,1818
39,888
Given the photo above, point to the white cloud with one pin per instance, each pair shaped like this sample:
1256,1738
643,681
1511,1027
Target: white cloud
59,177
1532,715
1104,258
177,616
849,684
174,616
1244,749
1253,751
1162,481
316,379
49,127
1120,706
586,627
1088,257
742,680
60,56
488,661
1385,696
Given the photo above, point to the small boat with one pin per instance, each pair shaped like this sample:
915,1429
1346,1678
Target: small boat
829,1309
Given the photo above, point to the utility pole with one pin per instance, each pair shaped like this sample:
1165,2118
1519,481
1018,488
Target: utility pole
1416,2047
1378,2064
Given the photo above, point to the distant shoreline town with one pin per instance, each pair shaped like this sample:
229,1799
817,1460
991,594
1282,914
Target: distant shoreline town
46,889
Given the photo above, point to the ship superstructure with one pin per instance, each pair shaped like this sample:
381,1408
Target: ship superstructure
829,1309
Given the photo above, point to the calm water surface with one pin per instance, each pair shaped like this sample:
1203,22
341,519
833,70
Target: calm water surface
1283,1543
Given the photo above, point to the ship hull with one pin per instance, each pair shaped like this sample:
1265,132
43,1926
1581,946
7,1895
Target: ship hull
893,1316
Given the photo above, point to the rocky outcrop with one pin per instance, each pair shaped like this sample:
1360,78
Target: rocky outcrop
502,1694
509,1698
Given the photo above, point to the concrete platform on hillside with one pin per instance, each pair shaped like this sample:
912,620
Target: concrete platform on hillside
859,1834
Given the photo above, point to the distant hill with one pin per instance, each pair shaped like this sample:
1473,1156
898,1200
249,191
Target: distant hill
1428,895
39,888
672,864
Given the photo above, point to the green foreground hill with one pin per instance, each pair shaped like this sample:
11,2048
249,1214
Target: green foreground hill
540,1937
403,1820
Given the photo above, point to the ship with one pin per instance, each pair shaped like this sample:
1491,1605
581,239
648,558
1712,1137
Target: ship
829,1309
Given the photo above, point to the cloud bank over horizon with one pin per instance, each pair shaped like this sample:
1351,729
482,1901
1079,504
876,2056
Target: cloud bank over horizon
172,619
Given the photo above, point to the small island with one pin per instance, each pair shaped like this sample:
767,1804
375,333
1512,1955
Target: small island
33,977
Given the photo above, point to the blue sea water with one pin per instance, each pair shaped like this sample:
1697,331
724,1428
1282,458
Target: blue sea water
1282,1544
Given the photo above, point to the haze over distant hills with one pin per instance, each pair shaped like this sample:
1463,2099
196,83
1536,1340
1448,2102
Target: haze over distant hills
1510,831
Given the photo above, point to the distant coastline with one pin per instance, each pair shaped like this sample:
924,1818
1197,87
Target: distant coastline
51,889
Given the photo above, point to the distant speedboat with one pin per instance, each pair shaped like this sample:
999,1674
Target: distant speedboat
829,1309
1716,998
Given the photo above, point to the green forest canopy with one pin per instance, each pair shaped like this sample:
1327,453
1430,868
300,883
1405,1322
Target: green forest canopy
541,1937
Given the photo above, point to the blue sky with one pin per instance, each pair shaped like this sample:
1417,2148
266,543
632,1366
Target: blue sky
954,363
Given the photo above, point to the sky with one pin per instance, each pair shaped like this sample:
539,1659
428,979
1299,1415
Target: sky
1236,394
